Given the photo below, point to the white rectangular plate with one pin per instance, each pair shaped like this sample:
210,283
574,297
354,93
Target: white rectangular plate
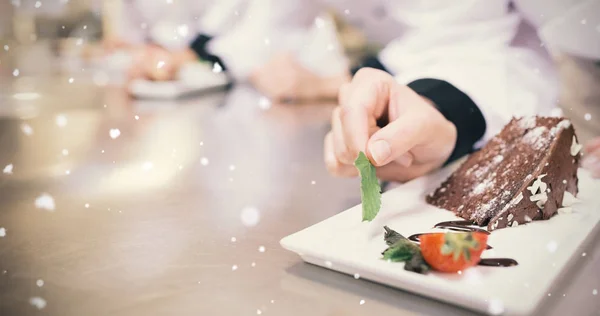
542,248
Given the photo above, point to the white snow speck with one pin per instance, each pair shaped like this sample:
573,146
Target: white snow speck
147,165
313,182
587,116
362,302
584,21
583,254
114,133
250,216
595,292
549,294
217,68
68,172
233,239
231,167
38,302
39,282
183,30
552,246
45,201
71,80
234,267
160,64
319,22
264,103
85,27
136,117
87,205
79,42
27,129
6,48
2,231
267,41
38,4
204,161
356,276
328,264
272,301
347,11
253,264
8,169
496,307
258,312
261,249
60,120
65,152
169,1
16,72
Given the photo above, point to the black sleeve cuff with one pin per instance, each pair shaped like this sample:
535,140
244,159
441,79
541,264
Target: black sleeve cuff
199,47
458,108
370,61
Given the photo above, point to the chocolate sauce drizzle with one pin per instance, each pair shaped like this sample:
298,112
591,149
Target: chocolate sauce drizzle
466,226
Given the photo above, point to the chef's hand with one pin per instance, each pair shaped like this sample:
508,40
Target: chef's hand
417,139
283,78
591,160
159,64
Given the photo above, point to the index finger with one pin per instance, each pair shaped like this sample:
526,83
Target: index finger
366,100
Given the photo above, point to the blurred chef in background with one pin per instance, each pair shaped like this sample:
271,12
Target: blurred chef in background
460,73
161,36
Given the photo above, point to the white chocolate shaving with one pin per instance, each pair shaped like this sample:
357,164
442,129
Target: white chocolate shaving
540,199
575,147
538,186
528,219
515,224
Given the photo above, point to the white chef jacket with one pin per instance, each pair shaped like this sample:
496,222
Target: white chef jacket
482,47
174,24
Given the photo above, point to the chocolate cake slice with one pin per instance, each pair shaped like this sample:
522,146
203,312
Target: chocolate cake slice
520,176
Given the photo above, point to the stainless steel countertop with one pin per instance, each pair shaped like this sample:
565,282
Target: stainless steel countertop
142,226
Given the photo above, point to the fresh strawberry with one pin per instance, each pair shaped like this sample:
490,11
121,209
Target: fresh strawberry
453,252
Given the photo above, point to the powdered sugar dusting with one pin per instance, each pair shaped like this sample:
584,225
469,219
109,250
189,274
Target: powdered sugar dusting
527,122
564,124
483,210
536,139
484,186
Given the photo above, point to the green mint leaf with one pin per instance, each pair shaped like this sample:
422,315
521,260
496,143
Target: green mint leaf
391,236
401,251
417,264
370,190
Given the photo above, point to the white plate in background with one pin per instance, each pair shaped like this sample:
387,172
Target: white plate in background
192,78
